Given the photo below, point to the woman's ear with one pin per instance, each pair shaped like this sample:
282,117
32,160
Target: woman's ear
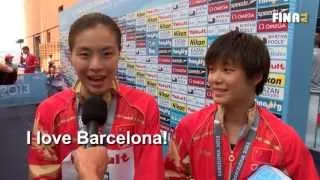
258,79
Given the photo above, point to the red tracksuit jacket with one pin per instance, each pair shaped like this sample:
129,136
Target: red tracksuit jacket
136,112
192,149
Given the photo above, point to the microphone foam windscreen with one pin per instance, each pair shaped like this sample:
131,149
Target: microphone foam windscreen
94,109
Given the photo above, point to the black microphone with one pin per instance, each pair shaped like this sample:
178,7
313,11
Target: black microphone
94,114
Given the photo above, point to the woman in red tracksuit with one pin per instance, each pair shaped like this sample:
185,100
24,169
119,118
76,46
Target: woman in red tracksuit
233,137
95,45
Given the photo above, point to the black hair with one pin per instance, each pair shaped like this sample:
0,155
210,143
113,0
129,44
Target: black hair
92,20
241,48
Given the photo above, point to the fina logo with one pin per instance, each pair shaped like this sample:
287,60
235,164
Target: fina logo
290,17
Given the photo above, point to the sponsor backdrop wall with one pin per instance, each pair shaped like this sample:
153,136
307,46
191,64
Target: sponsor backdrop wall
164,43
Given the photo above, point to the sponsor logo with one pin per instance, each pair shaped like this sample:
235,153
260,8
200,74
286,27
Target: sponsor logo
165,34
196,71
152,75
165,25
165,51
153,20
180,33
152,51
130,44
152,67
180,14
278,52
165,43
152,84
182,23
195,101
274,106
164,118
131,23
192,108
269,26
164,86
141,36
179,69
198,42
140,60
141,22
196,61
164,101
197,51
198,21
179,60
216,30
179,88
266,13
273,92
165,17
130,66
247,27
179,79
153,28
164,68
152,59
152,43
196,91
141,14
197,31
179,97
164,110
243,4
131,30
141,44
246,15
180,42
164,77
291,17
140,67
131,36
164,94
141,51
176,116
152,35
182,4
164,60
277,66
180,51
141,29
277,80
262,3
198,11
197,2
219,18
221,7
165,9
213,1
274,39
179,106
196,81
141,87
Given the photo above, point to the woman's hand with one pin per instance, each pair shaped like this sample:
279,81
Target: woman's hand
91,163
